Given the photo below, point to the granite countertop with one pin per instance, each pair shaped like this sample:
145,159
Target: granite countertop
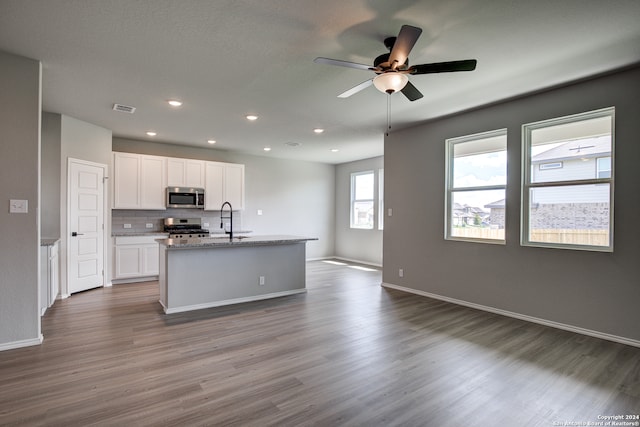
49,241
140,233
220,242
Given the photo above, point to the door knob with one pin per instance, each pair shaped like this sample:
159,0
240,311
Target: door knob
74,234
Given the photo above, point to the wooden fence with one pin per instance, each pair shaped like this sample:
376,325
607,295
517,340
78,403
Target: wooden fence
564,236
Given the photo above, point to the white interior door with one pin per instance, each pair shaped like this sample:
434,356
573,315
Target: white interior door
86,227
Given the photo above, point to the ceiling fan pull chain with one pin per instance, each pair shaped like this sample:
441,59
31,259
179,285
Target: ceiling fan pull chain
388,114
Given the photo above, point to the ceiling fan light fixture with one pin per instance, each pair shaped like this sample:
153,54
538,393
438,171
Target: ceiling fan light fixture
390,82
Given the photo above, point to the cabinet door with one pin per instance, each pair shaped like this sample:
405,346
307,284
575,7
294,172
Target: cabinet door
176,172
214,186
152,182
127,261
194,173
54,281
126,183
151,260
234,185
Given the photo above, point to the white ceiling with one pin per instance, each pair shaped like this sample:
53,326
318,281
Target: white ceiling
225,59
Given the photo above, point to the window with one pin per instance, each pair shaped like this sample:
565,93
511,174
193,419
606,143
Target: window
362,199
603,167
476,182
569,207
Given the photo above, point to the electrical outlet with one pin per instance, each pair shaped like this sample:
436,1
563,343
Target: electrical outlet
401,272
149,225
205,225
127,225
259,211
261,280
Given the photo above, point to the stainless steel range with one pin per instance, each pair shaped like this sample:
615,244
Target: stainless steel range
183,228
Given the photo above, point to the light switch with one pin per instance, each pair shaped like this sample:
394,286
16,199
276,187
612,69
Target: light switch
259,211
18,206
390,212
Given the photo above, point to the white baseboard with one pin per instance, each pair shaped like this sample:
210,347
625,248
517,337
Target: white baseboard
22,343
557,325
230,301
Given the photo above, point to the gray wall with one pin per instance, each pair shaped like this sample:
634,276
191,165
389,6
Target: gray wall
355,244
19,174
51,175
83,141
591,290
295,197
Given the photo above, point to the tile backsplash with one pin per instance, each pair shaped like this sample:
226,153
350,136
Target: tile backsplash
138,219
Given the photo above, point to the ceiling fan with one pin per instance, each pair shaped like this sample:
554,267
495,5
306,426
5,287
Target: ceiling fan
392,69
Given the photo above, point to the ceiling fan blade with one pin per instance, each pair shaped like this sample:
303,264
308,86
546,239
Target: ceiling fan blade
411,92
342,63
365,84
405,41
444,67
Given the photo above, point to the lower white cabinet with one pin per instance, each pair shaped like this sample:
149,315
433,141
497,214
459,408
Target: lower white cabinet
136,257
49,271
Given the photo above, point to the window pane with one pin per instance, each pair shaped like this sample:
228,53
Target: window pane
572,215
478,214
480,163
362,214
578,159
364,187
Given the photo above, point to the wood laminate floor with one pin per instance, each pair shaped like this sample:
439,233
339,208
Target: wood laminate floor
347,352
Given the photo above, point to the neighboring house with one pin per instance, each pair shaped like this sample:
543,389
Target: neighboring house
497,213
588,158
469,215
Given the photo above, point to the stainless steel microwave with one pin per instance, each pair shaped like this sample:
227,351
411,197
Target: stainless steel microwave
185,197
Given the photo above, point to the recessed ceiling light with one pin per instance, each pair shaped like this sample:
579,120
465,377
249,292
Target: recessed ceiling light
334,150
174,103
151,133
211,141
318,130
267,148
252,117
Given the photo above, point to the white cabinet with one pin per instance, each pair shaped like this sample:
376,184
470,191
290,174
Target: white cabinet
185,173
224,182
49,280
139,181
136,257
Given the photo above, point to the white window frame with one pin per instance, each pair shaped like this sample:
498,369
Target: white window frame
450,189
354,175
527,185
380,199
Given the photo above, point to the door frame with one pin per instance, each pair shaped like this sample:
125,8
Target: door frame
64,288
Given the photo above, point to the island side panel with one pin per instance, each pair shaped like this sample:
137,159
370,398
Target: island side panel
162,276
200,277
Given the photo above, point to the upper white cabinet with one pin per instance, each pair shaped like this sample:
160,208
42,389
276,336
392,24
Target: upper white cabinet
224,182
139,181
185,173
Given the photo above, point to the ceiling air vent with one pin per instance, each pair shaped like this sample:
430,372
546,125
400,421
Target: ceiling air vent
124,108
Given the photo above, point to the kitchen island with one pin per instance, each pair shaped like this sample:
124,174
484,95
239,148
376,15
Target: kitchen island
199,273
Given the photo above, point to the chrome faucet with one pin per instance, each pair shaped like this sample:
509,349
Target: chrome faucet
230,217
